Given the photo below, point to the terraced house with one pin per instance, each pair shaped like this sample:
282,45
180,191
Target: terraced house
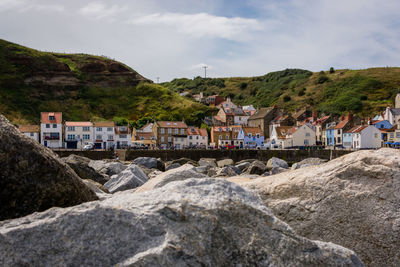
167,131
78,134
104,135
51,129
31,131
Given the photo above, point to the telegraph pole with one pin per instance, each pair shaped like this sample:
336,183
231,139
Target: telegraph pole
205,71
158,79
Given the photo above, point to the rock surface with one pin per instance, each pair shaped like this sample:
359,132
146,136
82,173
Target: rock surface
99,189
196,222
256,167
148,162
308,162
228,171
172,166
242,166
353,201
33,178
184,172
208,162
224,162
130,178
275,162
108,168
81,167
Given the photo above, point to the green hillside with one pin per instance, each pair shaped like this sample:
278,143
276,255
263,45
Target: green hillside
364,92
83,87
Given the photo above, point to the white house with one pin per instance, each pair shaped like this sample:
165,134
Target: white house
227,104
104,135
123,137
366,136
392,115
51,129
304,136
196,137
32,131
281,136
78,134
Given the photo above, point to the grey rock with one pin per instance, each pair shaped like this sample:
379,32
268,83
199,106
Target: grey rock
208,162
267,173
243,166
81,167
353,201
308,162
184,172
148,162
106,167
154,174
276,170
203,169
183,161
228,171
213,171
172,166
33,178
99,189
275,162
160,165
204,222
130,178
224,162
257,167
245,160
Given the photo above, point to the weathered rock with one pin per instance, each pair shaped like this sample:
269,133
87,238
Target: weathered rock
148,162
81,167
160,165
245,160
208,162
98,188
33,178
276,170
256,167
172,166
108,168
184,172
353,201
182,161
130,178
275,162
224,162
228,171
198,222
308,162
243,166
267,173
203,169
213,171
154,174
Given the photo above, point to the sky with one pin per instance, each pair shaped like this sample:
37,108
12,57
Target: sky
177,38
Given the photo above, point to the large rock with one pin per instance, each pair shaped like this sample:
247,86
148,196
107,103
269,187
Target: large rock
184,172
130,178
197,222
81,167
108,168
228,171
99,189
172,166
148,162
275,162
256,167
181,161
353,201
208,162
308,162
224,162
33,178
243,165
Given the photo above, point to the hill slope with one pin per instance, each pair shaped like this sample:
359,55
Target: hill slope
364,92
83,87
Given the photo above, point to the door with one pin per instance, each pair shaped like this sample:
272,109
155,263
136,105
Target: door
118,146
72,145
45,143
105,145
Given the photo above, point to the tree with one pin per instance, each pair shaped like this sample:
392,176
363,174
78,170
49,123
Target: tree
331,70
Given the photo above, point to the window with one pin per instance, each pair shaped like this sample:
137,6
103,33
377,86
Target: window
249,135
32,134
338,131
258,135
182,131
98,137
51,118
376,135
169,139
122,136
109,129
306,142
47,125
162,130
197,137
307,134
176,131
86,128
203,137
99,129
71,137
338,140
176,139
227,136
391,135
71,128
397,134
182,139
54,125
220,137
162,139
169,130
110,137
86,137
54,135
190,137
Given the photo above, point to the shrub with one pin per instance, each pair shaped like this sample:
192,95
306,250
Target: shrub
287,98
331,70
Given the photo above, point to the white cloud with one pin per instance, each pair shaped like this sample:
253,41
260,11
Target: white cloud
25,6
99,10
201,24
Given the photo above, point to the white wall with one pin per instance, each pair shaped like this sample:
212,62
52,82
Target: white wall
104,136
51,143
240,120
79,135
370,137
34,137
301,134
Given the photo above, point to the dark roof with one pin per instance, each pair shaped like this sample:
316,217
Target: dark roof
395,111
261,113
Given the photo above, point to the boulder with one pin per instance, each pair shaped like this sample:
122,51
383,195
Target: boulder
148,162
224,162
203,169
160,165
245,160
154,174
276,170
106,167
130,178
81,167
213,171
308,162
257,167
182,161
99,189
33,178
208,162
353,201
184,172
172,166
275,162
243,166
228,171
197,222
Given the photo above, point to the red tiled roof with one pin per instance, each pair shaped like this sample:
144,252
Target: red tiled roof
193,131
78,123
104,124
29,128
283,131
203,132
171,124
360,128
145,135
341,124
252,130
45,117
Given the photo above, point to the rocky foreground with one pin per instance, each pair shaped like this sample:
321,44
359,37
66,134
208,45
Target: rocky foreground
209,212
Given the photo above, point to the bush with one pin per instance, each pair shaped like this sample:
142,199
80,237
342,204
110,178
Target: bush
331,70
287,98
322,78
243,86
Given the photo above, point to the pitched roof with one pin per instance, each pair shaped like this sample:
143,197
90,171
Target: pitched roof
353,129
171,124
78,123
104,124
283,131
193,130
341,124
261,113
145,135
45,117
298,114
395,111
360,128
29,128
252,130
203,132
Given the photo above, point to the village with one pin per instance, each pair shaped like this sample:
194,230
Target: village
233,127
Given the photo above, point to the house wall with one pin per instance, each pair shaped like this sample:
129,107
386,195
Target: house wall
240,120
370,138
348,140
44,131
78,133
34,136
302,134
105,133
330,139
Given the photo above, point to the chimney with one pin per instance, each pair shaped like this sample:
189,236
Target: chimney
315,115
369,121
350,116
341,118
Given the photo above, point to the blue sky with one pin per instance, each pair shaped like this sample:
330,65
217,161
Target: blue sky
175,38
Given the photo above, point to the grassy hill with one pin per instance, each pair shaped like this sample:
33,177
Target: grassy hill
83,87
364,92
